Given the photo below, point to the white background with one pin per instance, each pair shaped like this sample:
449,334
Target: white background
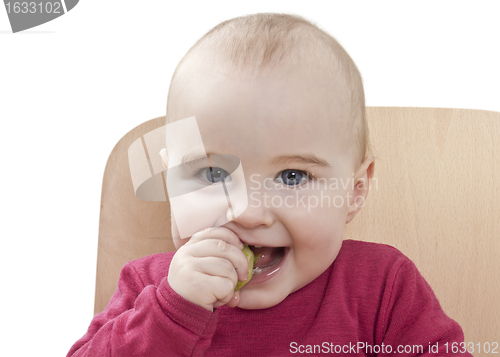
71,88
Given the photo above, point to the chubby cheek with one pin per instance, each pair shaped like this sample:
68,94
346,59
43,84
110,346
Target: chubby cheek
317,235
312,258
315,227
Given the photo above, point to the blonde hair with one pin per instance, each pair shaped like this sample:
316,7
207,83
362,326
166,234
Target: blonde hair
274,41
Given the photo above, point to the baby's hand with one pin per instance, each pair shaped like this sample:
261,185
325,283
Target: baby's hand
206,269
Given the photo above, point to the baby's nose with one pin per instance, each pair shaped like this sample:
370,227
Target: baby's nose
253,216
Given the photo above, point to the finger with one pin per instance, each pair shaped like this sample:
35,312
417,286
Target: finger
220,249
215,266
224,294
235,299
222,233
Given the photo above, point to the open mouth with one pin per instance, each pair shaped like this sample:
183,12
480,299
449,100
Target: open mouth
269,261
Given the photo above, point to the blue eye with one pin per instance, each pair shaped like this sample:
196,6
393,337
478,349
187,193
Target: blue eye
216,175
293,177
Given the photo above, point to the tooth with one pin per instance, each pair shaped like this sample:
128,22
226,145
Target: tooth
257,246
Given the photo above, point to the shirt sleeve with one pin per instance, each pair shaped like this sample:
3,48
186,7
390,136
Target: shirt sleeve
147,321
414,321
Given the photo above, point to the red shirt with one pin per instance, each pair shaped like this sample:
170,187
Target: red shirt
371,301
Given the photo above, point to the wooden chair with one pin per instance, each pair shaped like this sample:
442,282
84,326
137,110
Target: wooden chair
435,196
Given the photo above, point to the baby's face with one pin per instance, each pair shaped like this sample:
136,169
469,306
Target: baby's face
297,208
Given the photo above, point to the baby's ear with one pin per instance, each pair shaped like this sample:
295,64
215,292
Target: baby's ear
361,186
164,158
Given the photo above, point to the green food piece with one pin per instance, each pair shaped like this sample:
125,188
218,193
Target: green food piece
251,260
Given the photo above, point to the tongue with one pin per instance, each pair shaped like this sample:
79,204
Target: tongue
266,255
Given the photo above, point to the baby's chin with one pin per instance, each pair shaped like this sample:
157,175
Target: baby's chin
253,299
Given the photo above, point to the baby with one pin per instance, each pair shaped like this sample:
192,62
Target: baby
279,106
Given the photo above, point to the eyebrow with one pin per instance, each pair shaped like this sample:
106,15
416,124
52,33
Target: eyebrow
308,158
194,156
